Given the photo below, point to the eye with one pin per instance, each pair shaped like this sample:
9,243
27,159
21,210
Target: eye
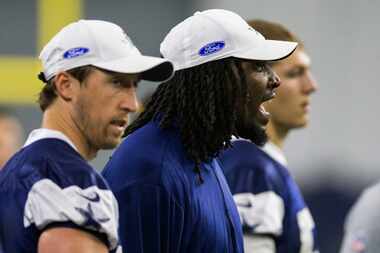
124,83
295,73
259,67
116,82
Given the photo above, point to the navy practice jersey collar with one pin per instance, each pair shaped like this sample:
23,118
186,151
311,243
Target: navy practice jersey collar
275,152
271,149
44,133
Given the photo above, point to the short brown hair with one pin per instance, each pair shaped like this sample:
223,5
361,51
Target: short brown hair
48,93
274,31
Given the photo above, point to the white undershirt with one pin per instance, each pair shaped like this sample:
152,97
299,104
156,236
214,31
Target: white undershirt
44,133
275,152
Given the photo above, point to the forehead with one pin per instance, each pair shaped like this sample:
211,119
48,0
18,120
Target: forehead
252,64
116,75
298,58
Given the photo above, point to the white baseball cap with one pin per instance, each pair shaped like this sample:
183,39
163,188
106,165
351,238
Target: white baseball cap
216,34
101,44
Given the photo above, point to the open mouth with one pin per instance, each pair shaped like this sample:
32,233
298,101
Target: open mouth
263,111
269,96
305,106
121,124
263,115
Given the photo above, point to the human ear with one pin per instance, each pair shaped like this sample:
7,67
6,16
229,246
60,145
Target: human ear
65,86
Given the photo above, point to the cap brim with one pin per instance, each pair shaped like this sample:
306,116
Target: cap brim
151,68
269,50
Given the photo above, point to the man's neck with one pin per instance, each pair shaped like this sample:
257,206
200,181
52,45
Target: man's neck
277,134
59,119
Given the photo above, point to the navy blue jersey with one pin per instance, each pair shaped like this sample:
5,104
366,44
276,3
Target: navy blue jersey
268,199
48,184
163,206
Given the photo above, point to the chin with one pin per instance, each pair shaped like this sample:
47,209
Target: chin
256,134
111,144
301,124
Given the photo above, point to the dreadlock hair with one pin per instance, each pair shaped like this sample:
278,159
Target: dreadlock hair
202,102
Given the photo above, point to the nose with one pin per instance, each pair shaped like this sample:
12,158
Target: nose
274,80
129,101
310,84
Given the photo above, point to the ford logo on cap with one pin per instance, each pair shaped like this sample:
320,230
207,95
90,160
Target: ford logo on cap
211,48
75,52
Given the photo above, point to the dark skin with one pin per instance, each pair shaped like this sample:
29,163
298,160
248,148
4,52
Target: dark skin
252,117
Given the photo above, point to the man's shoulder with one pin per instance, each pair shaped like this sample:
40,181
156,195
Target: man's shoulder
366,209
56,188
143,155
247,156
48,159
361,230
249,169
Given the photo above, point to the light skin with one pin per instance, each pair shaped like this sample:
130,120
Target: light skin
10,138
262,82
64,240
290,109
93,115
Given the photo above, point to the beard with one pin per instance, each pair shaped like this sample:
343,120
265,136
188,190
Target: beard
95,134
255,133
87,127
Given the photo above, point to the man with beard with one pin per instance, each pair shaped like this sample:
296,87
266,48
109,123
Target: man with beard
51,199
271,207
171,191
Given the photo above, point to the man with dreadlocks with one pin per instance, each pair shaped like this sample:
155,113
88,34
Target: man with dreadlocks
172,194
273,212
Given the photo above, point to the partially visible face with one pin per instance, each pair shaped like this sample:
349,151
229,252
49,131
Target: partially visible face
252,117
10,139
102,106
291,107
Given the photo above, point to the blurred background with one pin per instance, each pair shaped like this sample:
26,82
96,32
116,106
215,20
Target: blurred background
332,160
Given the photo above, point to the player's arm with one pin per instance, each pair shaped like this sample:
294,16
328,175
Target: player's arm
72,219
69,240
258,244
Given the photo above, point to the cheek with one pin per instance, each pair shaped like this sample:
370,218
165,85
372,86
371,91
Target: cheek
282,106
94,111
287,94
102,105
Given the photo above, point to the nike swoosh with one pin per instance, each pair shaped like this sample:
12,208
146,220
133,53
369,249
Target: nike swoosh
254,226
248,205
91,220
94,199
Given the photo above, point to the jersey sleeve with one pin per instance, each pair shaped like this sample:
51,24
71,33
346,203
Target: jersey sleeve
361,231
256,188
260,213
150,220
81,200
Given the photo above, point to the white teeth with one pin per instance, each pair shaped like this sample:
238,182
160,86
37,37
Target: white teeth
263,111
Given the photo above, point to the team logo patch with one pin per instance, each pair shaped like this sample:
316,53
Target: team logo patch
75,52
211,48
358,243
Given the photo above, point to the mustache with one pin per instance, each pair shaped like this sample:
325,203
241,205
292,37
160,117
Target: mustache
120,121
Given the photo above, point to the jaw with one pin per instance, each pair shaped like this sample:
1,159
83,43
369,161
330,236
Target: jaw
255,131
